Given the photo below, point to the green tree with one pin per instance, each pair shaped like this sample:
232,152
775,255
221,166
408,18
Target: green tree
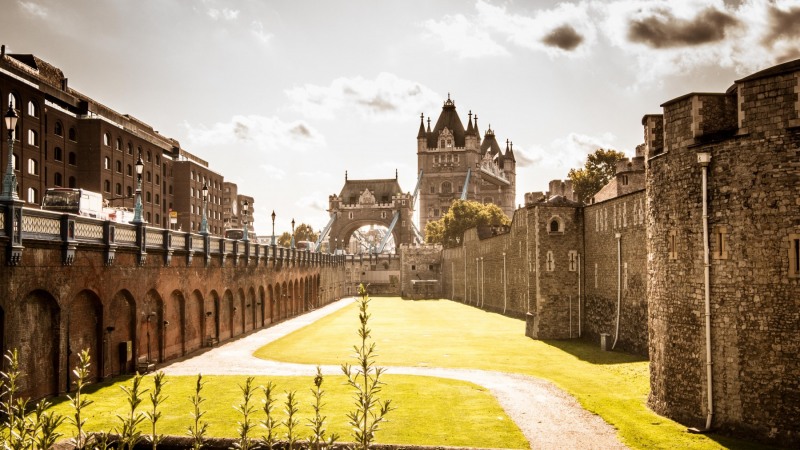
302,232
463,215
598,170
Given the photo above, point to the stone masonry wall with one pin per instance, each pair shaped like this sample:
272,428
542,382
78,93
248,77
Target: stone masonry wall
421,271
754,212
603,221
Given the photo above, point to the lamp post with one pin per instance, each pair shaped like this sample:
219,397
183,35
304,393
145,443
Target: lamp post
245,207
292,243
137,205
204,217
273,228
10,180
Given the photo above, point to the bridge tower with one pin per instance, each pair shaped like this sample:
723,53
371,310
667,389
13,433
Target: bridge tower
457,163
371,202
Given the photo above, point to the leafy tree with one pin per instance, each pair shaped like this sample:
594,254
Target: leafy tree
463,215
597,172
302,232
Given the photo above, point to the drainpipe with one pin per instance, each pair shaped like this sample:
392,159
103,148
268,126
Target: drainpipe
619,285
477,282
505,296
579,295
704,159
483,283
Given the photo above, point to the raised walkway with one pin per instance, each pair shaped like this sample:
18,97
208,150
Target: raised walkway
548,417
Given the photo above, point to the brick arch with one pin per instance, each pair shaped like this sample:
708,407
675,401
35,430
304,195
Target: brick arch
212,316
173,325
249,310
345,231
149,332
85,331
298,297
239,313
38,314
225,320
284,300
121,314
291,298
194,322
271,294
262,307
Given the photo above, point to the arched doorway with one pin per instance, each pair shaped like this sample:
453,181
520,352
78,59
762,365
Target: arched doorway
85,332
39,316
173,325
194,322
150,337
226,316
121,315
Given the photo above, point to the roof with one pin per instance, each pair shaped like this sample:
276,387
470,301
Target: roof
490,143
378,187
448,119
47,72
607,192
787,67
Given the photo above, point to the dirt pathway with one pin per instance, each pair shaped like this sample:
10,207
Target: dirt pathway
548,417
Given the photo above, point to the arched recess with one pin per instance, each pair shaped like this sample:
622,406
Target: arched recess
38,323
193,334
226,316
121,315
85,332
255,317
212,316
239,313
290,299
271,310
298,298
150,336
249,310
262,307
173,325
284,300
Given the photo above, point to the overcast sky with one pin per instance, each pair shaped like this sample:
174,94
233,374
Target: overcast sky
283,97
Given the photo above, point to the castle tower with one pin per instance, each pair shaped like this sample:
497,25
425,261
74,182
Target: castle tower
451,157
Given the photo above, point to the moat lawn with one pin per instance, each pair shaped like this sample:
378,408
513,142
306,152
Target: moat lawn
480,421
442,333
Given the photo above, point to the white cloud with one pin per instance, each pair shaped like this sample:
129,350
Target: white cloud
273,172
33,9
564,153
387,97
224,13
314,201
267,134
462,37
257,30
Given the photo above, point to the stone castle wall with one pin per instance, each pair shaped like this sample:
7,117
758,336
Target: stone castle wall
754,218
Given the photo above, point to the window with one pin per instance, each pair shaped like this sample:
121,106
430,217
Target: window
624,180
106,186
58,130
72,135
107,163
33,109
33,138
147,217
119,166
550,262
130,191
58,154
13,101
672,245
15,162
383,214
106,139
158,179
72,182
58,179
147,197
624,276
118,145
158,160
147,176
350,215
436,212
447,187
158,199
720,243
573,260
794,255
33,166
129,170
433,189
33,195
118,189
130,148
595,275
148,156
555,225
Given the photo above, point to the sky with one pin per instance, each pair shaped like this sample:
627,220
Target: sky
283,97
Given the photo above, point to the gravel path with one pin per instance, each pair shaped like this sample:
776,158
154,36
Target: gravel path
547,416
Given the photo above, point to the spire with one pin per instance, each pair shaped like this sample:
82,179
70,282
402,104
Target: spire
510,153
477,131
345,175
429,125
470,129
395,174
421,134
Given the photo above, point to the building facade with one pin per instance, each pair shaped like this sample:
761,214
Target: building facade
454,160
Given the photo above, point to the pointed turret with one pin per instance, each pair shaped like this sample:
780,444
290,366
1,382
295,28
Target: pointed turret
490,144
421,134
510,153
448,119
470,129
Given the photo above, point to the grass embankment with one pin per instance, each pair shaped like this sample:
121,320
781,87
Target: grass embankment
480,420
613,385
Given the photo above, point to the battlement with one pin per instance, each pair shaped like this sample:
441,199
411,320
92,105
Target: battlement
628,165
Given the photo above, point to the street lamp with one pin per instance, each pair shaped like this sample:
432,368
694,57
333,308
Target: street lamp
10,180
273,227
204,217
245,207
292,243
137,205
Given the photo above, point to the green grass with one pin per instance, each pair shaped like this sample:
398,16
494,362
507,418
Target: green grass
480,421
442,333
